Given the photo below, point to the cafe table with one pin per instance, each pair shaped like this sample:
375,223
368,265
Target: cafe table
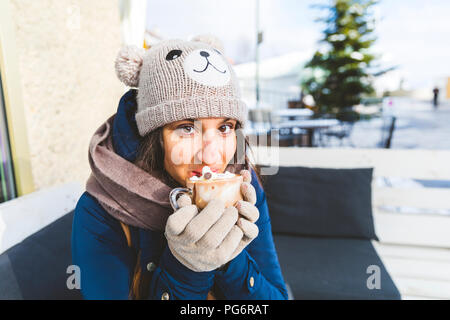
291,114
309,125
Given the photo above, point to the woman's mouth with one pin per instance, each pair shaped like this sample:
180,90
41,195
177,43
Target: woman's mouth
195,173
199,173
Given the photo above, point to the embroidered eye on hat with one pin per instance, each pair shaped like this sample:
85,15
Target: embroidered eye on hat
178,79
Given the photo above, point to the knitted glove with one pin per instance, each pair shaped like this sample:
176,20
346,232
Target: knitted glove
248,213
205,240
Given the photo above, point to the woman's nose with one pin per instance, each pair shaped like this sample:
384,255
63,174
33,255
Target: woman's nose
209,153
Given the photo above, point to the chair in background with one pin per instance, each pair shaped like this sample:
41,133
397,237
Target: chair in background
263,122
259,124
347,118
292,137
387,132
260,120
342,132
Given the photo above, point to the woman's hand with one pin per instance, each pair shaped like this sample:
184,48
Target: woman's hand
205,240
248,213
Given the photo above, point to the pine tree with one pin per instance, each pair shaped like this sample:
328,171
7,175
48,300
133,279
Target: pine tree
339,73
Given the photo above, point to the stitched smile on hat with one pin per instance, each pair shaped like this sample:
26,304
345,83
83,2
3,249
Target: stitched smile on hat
207,67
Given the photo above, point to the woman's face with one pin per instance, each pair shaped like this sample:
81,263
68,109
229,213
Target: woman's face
189,145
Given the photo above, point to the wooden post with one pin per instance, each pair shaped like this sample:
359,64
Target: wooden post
448,88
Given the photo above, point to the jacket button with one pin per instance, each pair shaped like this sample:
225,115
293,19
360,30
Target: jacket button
252,282
165,296
151,266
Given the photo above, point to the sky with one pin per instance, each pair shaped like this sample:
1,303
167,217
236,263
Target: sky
411,34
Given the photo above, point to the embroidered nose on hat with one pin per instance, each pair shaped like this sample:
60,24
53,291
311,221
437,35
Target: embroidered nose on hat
178,79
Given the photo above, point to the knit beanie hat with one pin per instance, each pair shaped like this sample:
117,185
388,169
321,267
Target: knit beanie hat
178,79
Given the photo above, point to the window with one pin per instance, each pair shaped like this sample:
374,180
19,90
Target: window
7,182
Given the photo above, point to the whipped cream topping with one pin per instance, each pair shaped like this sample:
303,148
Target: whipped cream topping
207,174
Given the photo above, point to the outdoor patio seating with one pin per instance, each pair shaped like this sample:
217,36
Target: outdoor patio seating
36,267
333,227
333,224
323,233
35,238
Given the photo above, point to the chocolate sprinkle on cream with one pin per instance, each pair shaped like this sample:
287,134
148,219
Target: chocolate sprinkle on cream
208,175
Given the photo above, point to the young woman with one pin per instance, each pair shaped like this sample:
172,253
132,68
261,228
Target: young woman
127,240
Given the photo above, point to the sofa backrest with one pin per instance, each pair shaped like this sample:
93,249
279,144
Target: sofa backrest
419,223
35,238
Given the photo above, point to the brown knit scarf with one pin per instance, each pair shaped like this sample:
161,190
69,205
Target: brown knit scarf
124,190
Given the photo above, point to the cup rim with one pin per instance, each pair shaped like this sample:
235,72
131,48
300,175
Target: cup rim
237,176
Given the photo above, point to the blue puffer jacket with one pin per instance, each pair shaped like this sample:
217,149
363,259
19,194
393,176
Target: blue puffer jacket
100,249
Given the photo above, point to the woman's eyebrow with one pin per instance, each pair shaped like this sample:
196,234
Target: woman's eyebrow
184,120
174,125
227,119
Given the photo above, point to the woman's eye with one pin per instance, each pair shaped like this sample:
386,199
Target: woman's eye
186,129
226,128
173,54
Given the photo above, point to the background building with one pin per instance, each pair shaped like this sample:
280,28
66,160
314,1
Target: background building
59,85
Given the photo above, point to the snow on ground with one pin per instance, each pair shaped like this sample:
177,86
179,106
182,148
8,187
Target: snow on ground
418,126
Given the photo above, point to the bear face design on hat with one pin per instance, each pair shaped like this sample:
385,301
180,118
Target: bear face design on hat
179,80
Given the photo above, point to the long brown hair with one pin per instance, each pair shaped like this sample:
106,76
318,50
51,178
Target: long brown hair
150,157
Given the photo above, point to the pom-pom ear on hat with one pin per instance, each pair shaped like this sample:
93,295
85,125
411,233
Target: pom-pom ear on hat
210,39
128,64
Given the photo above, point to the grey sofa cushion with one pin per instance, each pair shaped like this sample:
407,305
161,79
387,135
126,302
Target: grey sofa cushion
321,202
332,268
36,267
9,287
